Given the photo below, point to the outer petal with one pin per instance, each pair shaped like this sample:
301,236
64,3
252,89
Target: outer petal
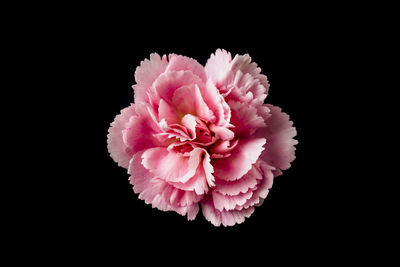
279,132
227,218
177,62
227,202
146,74
245,119
262,189
133,134
242,158
119,152
244,64
217,66
242,185
158,193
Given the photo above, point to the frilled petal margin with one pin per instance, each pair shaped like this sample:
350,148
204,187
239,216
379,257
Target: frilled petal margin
242,158
280,145
160,194
118,150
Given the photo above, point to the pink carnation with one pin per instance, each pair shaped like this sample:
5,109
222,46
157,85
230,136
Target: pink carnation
202,137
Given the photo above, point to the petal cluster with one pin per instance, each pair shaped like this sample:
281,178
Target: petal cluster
201,138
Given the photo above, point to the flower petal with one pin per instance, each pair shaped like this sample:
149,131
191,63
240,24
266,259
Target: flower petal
188,100
241,160
245,119
242,185
177,62
160,194
133,136
280,151
217,66
262,188
169,82
119,152
169,165
227,218
146,74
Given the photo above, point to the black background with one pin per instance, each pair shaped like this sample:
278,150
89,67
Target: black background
91,205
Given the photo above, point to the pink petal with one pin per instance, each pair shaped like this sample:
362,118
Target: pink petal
263,187
133,136
242,185
167,112
280,150
203,178
223,146
169,82
158,193
188,100
217,66
227,218
168,165
244,64
245,119
146,74
119,152
216,103
227,202
242,158
149,190
222,132
177,62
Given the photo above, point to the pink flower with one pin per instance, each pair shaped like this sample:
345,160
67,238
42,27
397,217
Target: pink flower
202,136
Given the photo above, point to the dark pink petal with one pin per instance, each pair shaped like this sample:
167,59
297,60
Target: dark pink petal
245,119
242,158
146,74
119,152
177,62
279,133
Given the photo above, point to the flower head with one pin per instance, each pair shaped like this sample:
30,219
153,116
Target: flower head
202,136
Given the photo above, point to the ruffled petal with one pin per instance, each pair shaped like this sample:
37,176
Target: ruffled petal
279,132
226,218
244,64
133,136
245,119
217,66
146,74
242,185
241,160
203,178
118,150
227,202
167,112
188,100
169,165
169,82
160,194
177,62
263,186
